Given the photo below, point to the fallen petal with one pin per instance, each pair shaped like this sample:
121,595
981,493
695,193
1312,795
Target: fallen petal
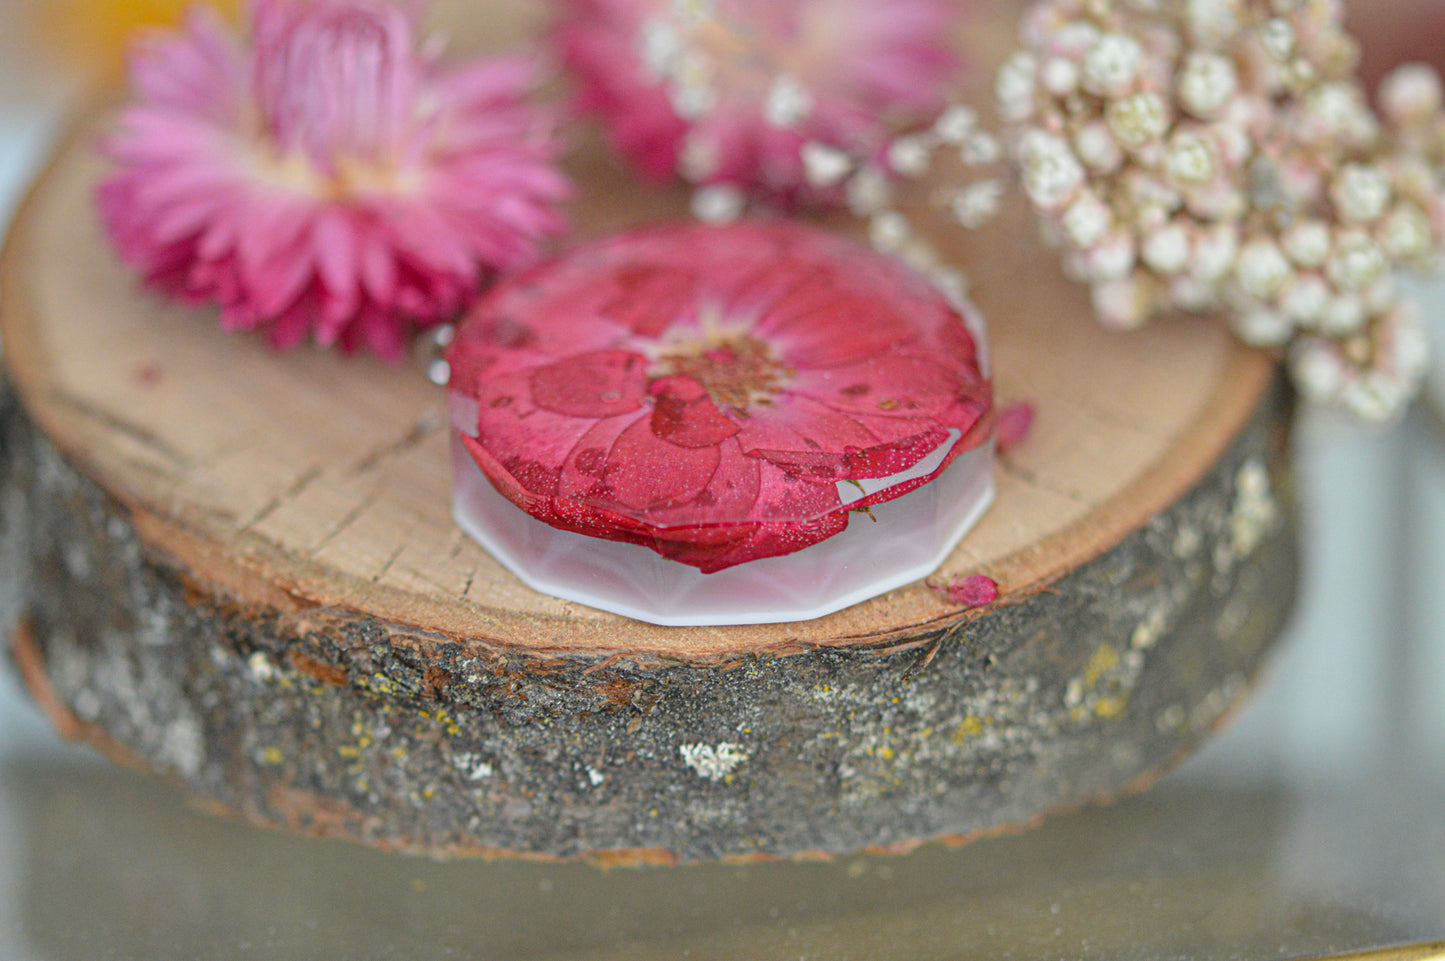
975,590
1013,426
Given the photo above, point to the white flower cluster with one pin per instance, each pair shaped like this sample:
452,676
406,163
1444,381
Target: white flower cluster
872,187
1219,156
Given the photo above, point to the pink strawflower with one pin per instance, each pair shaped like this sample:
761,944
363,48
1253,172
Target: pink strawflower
730,91
718,394
330,179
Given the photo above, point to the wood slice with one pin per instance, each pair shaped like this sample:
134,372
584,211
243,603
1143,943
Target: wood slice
240,569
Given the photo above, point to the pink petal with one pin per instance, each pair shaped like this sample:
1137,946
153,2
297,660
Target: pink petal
647,300
733,492
646,473
600,384
685,415
1013,426
889,384
585,468
805,438
199,71
976,590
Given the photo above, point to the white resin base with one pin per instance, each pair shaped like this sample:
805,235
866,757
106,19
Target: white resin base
911,537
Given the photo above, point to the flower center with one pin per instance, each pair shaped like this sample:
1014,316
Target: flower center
738,371
335,86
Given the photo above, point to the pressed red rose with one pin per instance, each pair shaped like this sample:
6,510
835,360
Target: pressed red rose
718,394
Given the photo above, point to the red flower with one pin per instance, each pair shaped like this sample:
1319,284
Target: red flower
718,394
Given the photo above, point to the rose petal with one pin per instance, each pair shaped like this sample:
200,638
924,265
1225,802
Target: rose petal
975,590
647,300
685,415
603,383
804,446
1013,426
646,473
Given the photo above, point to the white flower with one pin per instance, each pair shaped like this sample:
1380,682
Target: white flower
1086,220
1190,158
1361,193
909,155
1308,244
1123,304
1213,22
977,203
1278,38
1051,172
888,232
1138,119
1262,270
979,148
1372,398
825,166
1338,112
1112,258
1207,83
1059,76
1112,64
1218,155
718,203
868,192
1098,149
1167,250
1016,85
1411,94
788,103
1306,300
955,124
1318,369
1262,328
1216,251
1074,39
661,46
1358,263
1343,314
1406,234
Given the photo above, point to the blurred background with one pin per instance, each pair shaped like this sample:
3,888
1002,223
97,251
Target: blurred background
1353,702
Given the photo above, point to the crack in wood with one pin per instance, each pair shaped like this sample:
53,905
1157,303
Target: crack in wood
295,490
386,568
459,541
342,524
1029,477
1114,418
142,436
424,428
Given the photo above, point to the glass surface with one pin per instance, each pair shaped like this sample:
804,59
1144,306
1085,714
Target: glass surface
1315,825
